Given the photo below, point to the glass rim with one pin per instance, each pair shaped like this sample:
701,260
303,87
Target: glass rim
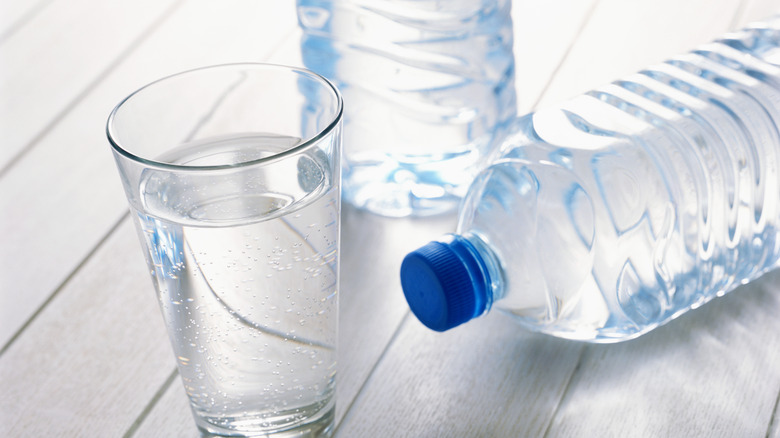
303,145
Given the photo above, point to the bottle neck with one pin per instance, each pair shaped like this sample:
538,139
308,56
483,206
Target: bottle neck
487,262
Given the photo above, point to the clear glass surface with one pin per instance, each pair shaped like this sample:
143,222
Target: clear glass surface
232,174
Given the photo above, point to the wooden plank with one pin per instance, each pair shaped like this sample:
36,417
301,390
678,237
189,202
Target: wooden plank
200,33
488,378
57,55
711,373
756,10
373,304
623,37
171,416
58,363
67,189
773,431
14,14
544,33
94,357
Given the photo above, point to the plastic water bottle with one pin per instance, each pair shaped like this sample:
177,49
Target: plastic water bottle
425,85
615,212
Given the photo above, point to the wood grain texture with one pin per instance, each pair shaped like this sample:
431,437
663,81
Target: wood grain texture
485,379
14,14
774,428
544,32
170,417
67,187
623,37
753,10
57,56
712,372
92,358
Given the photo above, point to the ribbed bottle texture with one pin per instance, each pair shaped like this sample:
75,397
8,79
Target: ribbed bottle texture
425,85
618,210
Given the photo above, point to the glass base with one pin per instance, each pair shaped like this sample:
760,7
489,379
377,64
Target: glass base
320,424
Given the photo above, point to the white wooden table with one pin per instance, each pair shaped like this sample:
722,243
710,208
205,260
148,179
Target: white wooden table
83,350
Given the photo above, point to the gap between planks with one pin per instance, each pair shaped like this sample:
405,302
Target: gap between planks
90,87
370,375
152,403
64,283
23,19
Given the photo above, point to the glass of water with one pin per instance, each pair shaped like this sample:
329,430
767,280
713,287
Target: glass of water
232,174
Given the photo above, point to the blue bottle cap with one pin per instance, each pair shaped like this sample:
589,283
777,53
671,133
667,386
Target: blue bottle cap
444,284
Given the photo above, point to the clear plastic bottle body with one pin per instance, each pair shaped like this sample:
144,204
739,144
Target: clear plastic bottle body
425,83
625,207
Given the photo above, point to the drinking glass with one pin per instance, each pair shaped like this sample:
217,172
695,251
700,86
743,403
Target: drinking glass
232,174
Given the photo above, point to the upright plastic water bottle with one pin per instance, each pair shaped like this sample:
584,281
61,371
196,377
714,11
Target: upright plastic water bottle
613,213
425,85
